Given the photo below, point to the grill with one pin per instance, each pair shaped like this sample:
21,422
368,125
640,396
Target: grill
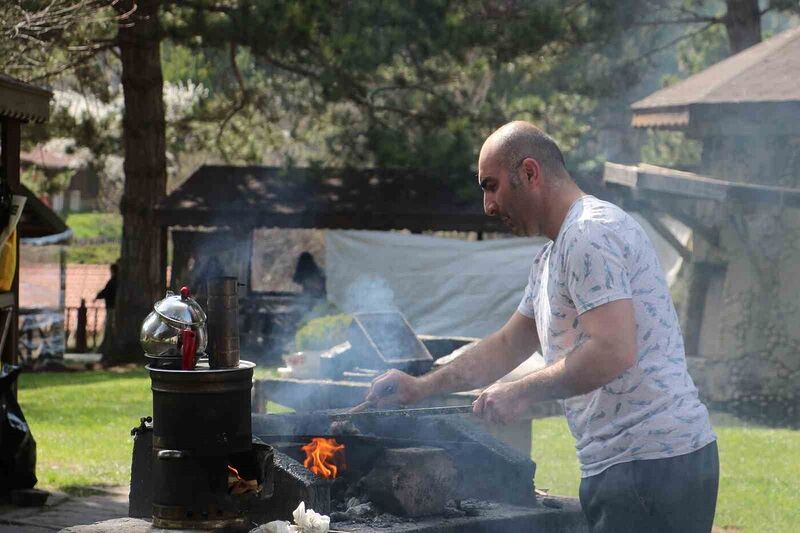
415,470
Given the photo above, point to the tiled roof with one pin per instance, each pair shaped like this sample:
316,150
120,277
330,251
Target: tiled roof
766,72
39,284
42,156
765,75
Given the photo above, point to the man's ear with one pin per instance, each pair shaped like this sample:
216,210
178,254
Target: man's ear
533,170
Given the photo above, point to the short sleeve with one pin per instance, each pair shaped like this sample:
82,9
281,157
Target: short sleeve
527,306
595,262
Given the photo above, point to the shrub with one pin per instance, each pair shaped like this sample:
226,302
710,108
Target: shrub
322,333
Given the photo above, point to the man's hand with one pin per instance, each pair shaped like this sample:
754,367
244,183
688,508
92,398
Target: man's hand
502,403
395,388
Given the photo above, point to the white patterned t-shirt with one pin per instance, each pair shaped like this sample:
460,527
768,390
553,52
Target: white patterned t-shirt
652,410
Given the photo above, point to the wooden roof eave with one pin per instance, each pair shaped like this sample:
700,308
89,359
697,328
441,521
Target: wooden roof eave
47,222
377,221
672,118
22,101
657,179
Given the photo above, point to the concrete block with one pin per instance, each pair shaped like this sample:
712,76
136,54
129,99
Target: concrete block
412,481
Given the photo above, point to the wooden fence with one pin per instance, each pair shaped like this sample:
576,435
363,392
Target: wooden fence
83,326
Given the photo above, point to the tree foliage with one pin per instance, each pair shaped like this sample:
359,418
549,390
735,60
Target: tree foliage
416,83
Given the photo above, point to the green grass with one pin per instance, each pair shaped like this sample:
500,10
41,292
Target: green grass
759,471
93,254
553,450
86,226
82,421
95,225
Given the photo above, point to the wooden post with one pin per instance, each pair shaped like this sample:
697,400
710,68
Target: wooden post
80,331
9,160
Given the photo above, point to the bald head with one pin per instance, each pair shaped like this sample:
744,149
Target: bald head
517,140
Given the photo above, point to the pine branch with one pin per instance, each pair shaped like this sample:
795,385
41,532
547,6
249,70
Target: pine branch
693,20
60,69
669,44
236,108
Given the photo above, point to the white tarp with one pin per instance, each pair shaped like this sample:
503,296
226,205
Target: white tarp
443,286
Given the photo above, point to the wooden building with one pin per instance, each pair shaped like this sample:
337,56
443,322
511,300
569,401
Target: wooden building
742,310
21,103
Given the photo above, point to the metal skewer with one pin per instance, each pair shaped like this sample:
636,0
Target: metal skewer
389,389
421,411
361,407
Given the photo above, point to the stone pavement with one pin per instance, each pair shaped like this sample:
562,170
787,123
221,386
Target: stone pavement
62,510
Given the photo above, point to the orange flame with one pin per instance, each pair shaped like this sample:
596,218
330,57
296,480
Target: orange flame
324,457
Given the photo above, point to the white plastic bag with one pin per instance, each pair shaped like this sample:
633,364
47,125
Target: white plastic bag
305,521
277,526
309,521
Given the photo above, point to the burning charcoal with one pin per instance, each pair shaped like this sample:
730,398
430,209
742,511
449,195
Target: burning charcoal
238,486
324,457
412,481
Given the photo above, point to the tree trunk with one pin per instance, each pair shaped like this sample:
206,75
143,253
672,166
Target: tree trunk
142,264
743,24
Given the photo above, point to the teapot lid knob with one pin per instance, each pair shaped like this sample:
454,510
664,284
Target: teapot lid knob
184,292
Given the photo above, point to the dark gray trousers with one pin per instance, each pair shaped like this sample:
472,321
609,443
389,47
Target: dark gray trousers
673,495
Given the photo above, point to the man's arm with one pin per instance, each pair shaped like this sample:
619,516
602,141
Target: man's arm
103,294
608,350
490,359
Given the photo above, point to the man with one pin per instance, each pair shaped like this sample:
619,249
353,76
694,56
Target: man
598,308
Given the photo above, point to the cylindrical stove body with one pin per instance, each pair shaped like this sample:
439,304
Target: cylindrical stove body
191,493
223,322
205,412
201,418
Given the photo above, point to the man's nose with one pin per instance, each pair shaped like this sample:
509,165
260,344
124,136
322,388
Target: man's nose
489,205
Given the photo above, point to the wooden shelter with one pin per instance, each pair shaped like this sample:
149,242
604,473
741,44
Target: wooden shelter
744,109
219,212
19,103
377,199
760,82
740,310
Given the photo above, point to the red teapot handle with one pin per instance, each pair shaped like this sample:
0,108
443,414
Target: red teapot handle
189,348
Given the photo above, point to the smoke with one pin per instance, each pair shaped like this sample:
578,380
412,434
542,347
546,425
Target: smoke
369,293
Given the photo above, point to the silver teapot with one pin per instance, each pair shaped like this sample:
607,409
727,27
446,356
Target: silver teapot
161,330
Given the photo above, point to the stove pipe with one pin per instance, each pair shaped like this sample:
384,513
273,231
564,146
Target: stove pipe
223,322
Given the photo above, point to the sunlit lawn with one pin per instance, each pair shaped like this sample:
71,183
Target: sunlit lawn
759,472
82,421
